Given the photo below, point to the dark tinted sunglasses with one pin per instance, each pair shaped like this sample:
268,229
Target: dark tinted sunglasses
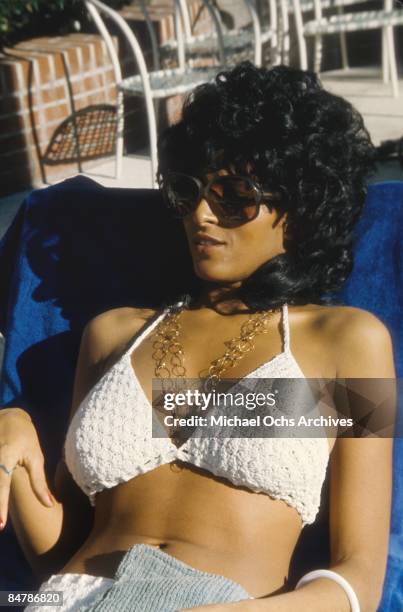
236,198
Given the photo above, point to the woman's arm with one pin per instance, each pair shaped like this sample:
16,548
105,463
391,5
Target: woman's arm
38,528
360,491
50,536
362,468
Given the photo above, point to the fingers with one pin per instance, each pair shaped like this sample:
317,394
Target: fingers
19,446
7,462
37,477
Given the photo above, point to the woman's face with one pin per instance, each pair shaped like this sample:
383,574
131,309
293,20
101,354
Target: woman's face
242,249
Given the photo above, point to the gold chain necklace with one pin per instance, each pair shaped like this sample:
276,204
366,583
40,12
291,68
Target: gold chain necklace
166,346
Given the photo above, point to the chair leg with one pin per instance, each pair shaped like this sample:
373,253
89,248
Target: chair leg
179,36
286,49
318,53
152,132
343,44
392,61
278,55
257,38
119,134
343,49
274,43
303,59
258,50
285,28
385,57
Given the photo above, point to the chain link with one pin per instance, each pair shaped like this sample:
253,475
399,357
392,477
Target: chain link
168,349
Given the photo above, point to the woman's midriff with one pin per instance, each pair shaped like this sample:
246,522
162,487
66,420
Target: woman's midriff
198,518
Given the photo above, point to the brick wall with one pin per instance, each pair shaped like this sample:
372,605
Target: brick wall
44,81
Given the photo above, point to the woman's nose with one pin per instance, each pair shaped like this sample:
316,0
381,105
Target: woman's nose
203,211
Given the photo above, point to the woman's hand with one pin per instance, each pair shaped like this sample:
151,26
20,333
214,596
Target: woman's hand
19,446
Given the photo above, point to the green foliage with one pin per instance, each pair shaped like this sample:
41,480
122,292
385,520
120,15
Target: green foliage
21,19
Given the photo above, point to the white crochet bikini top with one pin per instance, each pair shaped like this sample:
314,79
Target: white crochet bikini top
109,440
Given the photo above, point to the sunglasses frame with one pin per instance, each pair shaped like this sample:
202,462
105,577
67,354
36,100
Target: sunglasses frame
259,194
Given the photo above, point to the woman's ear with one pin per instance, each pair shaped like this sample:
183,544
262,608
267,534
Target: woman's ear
280,217
284,228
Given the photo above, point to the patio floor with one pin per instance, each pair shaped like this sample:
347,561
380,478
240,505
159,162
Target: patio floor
363,87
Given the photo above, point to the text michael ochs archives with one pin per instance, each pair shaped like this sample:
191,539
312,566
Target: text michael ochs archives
272,407
206,401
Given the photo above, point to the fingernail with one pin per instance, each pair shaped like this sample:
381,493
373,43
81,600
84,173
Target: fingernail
2,524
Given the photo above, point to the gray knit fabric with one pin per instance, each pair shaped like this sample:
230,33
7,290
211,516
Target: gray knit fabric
150,580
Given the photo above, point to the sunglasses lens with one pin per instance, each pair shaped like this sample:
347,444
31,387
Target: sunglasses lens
236,196
181,193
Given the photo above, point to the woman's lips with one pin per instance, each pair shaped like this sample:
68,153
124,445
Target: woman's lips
207,248
205,244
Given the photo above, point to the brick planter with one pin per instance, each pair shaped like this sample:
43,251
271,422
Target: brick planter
42,82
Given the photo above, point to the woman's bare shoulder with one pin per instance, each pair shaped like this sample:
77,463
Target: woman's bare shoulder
340,319
108,332
361,342
350,321
124,315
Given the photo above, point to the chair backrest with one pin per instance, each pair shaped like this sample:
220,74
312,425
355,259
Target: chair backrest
182,12
219,27
96,9
319,6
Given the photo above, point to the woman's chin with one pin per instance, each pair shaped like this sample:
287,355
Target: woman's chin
213,274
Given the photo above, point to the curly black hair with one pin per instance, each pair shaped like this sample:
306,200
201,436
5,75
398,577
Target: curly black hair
297,139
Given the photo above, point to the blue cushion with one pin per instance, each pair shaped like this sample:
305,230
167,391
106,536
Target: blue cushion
77,249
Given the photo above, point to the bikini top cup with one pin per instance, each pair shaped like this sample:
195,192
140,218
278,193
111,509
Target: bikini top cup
109,440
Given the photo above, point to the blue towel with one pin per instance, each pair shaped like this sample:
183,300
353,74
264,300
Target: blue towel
72,251
376,284
77,249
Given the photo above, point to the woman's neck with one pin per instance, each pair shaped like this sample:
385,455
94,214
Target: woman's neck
224,299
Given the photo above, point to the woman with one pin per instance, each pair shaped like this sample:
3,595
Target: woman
268,172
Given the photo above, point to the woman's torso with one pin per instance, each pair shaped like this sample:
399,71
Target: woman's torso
203,519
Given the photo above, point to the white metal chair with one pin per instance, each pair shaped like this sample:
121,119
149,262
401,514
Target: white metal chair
228,42
308,6
154,85
383,19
